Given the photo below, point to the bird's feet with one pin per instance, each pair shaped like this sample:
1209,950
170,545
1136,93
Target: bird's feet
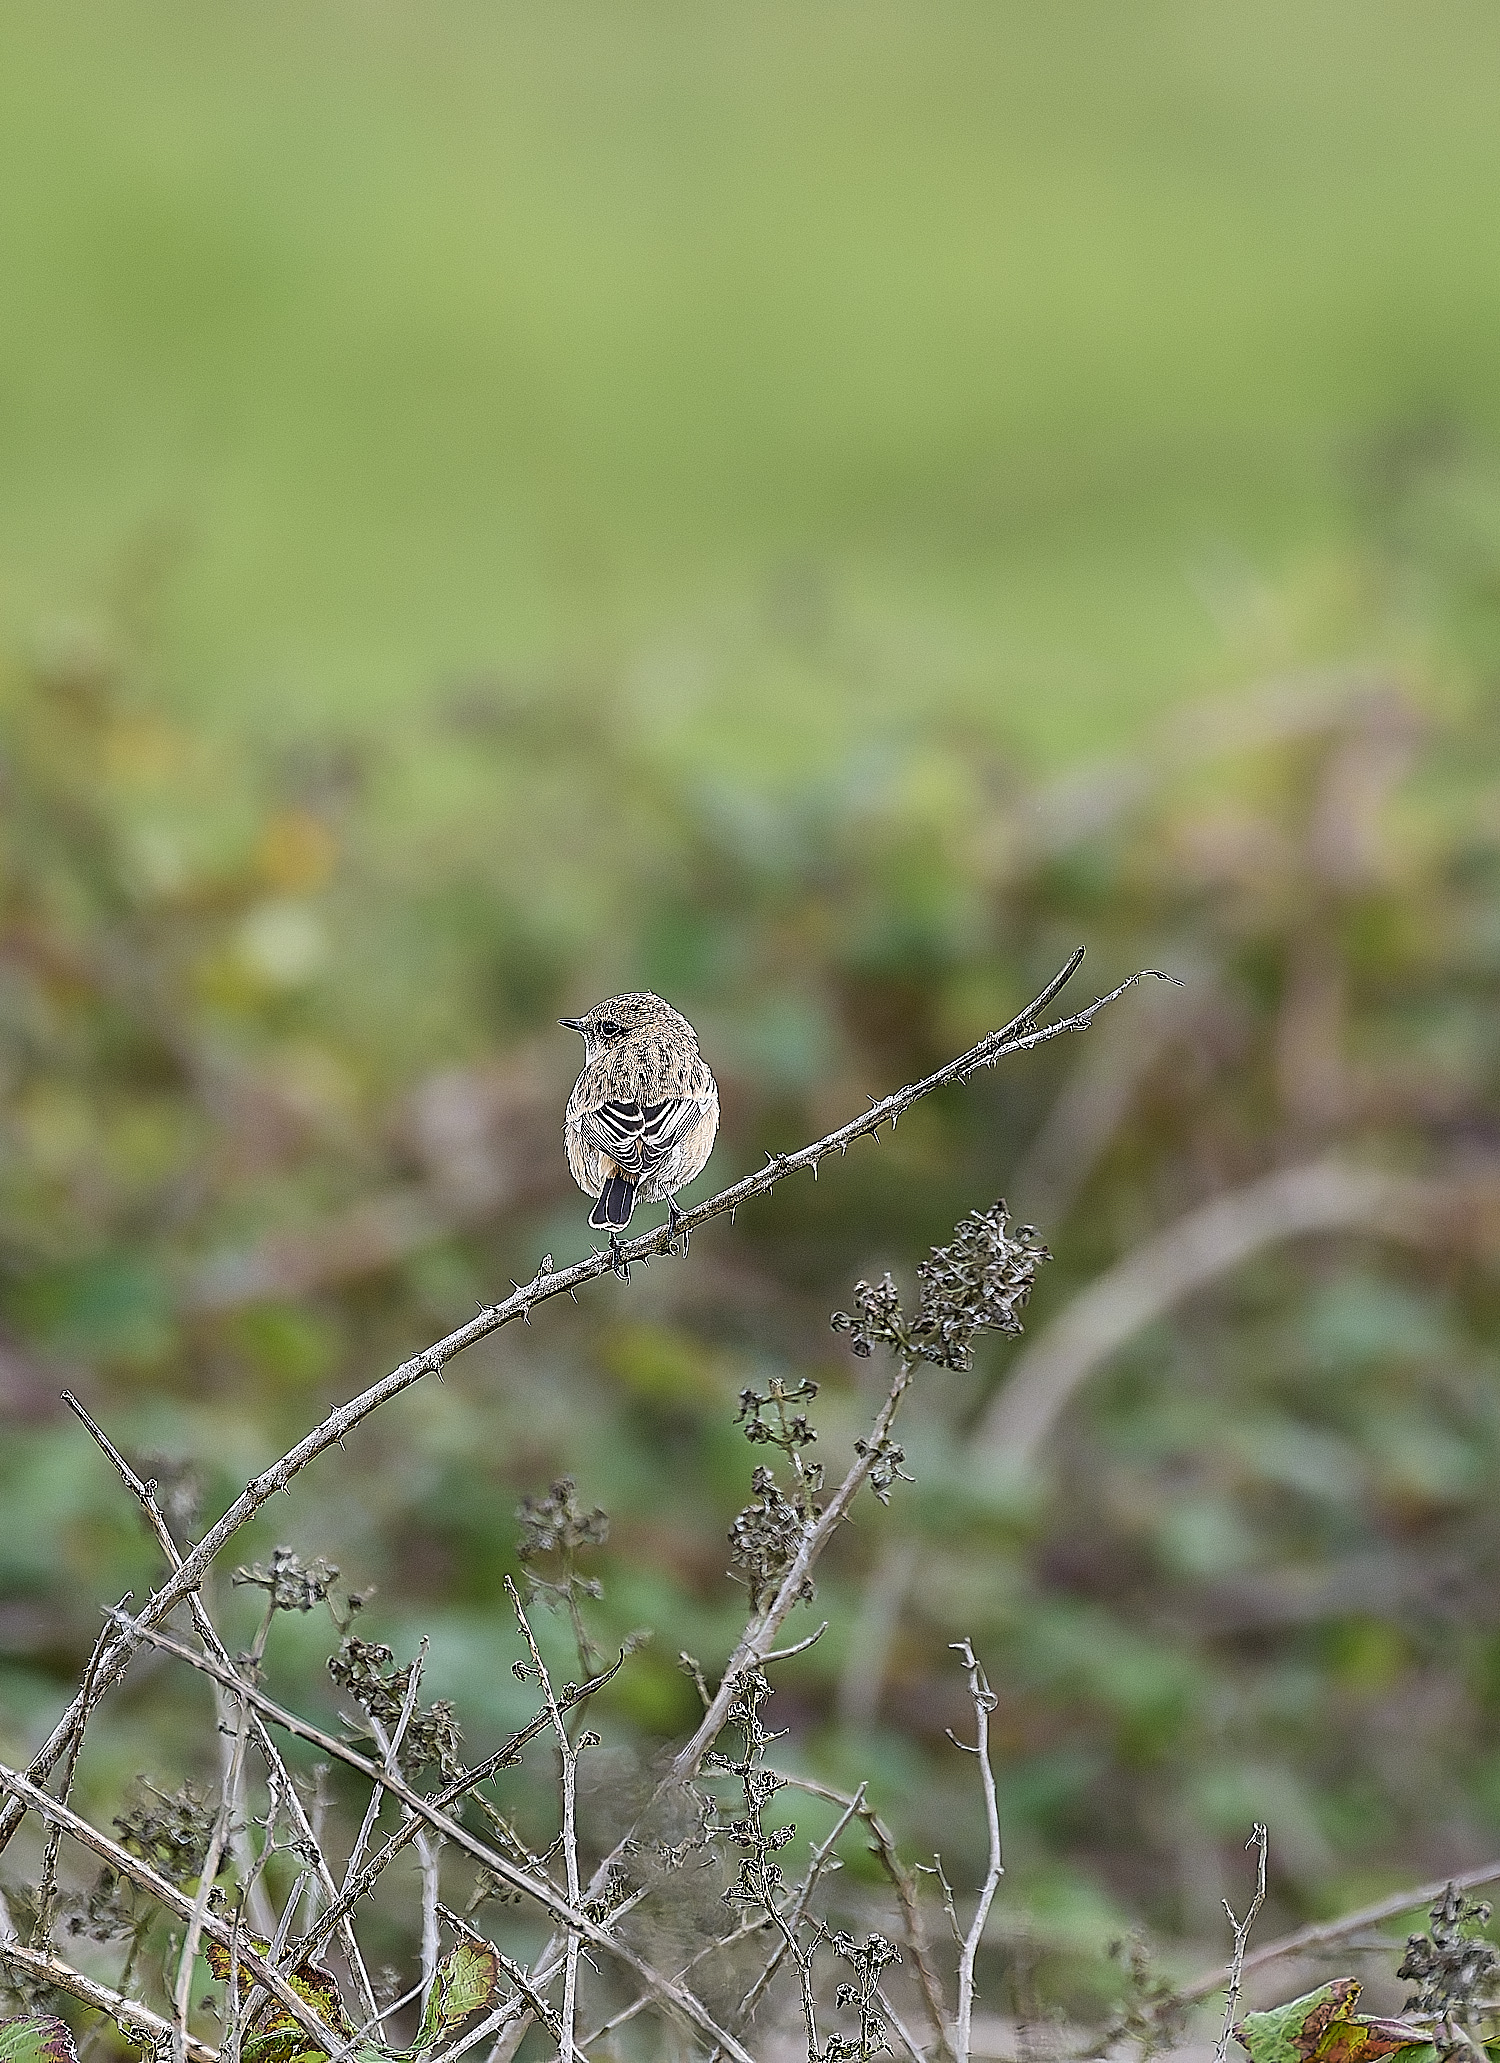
674,1223
617,1259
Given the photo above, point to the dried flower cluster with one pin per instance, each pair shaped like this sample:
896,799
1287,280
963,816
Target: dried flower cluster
769,1532
764,1539
170,1832
1453,1967
430,1739
980,1282
291,1585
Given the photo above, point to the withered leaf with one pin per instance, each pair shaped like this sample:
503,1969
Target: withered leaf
467,1979
38,2038
1322,2027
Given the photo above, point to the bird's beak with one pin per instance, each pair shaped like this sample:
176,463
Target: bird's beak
571,1023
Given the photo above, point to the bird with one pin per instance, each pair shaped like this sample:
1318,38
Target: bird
642,1117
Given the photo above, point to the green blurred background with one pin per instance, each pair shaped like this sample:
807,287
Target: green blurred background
498,504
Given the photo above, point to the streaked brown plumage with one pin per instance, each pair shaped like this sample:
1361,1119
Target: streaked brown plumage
642,1117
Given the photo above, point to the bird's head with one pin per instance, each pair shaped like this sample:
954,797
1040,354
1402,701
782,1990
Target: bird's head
619,1020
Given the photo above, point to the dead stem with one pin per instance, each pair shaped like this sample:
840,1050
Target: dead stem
1241,1928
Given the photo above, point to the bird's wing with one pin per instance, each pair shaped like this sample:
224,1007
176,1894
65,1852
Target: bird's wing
639,1136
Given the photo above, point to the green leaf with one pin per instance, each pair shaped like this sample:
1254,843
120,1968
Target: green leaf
467,1979
39,2038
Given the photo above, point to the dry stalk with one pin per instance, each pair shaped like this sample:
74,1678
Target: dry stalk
182,1994
757,1645
427,1849
337,1914
821,1858
26,1793
47,1889
389,1750
984,1702
883,1847
898,2026
1323,1933
277,1773
567,1755
1241,1930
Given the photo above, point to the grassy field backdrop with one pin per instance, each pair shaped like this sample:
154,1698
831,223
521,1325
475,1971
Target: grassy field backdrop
1035,341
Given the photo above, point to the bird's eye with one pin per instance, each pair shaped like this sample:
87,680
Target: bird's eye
608,1029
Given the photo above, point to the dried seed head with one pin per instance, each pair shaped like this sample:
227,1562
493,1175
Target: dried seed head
1453,1966
291,1584
979,1282
876,1319
764,1539
558,1524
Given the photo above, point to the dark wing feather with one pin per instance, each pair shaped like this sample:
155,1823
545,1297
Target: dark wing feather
615,1128
639,1136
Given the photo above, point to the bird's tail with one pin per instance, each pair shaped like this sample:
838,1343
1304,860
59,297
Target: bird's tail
616,1202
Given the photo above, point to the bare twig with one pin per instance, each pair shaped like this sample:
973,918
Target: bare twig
984,1702
1241,1929
1020,1035
1098,1095
567,1754
182,1994
428,1850
1323,1933
41,1933
429,1853
757,1642
377,1795
337,1913
903,2033
233,2005
883,1847
792,1917
279,1776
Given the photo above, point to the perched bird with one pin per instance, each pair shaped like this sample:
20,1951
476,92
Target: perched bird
642,1116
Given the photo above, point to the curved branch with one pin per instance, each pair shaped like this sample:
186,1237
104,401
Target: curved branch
1323,1196
1019,1036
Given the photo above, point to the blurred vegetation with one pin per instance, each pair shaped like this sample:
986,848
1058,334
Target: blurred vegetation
282,1101
654,500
